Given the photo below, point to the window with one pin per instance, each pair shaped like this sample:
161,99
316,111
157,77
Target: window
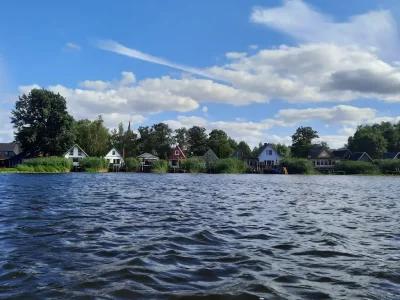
9,153
116,161
79,152
75,159
269,152
176,152
330,162
71,152
113,153
318,162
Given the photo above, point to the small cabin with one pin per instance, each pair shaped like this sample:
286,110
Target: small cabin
114,158
322,158
76,154
175,156
268,157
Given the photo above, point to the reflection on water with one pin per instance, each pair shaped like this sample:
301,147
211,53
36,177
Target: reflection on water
181,236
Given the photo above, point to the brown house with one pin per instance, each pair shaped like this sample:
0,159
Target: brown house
7,151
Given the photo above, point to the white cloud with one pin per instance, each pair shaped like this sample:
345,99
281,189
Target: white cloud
235,55
204,109
97,85
306,24
341,114
253,47
73,46
334,141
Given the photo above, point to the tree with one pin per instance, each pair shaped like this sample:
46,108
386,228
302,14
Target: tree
42,123
121,139
391,135
198,140
218,142
161,140
144,141
282,150
92,136
302,141
244,147
257,149
368,139
181,138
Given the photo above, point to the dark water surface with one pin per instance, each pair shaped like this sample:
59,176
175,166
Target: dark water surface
180,236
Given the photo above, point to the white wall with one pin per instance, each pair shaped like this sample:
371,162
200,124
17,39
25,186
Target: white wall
76,155
112,155
265,156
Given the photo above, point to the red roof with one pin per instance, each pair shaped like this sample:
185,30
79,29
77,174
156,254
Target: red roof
177,153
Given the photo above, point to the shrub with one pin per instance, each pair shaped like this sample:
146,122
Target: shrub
298,166
46,165
93,164
193,165
388,165
357,167
160,166
228,166
131,164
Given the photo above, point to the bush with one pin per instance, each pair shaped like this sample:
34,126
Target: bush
159,166
388,165
228,166
131,164
46,165
298,166
94,164
193,165
357,167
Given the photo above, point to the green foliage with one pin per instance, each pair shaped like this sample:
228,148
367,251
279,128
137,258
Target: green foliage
244,148
228,166
93,164
193,165
218,142
92,136
156,140
298,166
357,167
42,123
198,140
388,165
283,150
302,141
181,138
128,140
8,170
368,139
132,164
160,166
46,165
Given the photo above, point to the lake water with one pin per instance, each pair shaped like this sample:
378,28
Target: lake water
181,236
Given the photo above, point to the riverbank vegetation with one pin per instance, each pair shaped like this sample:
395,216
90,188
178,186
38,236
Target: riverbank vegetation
45,165
298,166
131,164
193,165
160,166
94,164
228,166
357,168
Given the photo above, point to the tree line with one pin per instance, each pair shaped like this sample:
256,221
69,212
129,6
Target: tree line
43,126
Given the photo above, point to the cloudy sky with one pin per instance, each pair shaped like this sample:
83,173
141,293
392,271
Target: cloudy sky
256,69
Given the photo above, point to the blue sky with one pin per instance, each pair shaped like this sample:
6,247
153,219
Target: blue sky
256,69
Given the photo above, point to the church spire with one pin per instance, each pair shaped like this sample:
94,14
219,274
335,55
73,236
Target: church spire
129,125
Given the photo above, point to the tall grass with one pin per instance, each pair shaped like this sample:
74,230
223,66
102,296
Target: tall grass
46,165
159,166
131,164
193,165
357,167
228,166
94,164
388,165
298,166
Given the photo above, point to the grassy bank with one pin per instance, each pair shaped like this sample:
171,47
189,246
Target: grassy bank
228,166
193,165
298,166
94,164
45,165
160,166
358,168
8,170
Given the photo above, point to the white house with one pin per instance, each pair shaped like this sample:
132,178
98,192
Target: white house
114,157
76,154
268,157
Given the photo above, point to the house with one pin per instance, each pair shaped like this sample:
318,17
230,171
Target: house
209,157
361,156
342,154
268,157
76,154
241,153
114,157
19,159
147,159
391,155
8,150
322,158
175,156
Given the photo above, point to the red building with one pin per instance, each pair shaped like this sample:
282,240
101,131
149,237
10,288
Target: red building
176,155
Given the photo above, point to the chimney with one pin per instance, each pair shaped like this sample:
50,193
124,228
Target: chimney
265,144
123,152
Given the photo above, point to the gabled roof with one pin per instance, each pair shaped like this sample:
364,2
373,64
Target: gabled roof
180,155
342,153
22,155
76,145
115,151
391,155
265,146
147,156
357,156
8,146
210,153
316,151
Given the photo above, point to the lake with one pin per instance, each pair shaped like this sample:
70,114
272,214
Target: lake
182,236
